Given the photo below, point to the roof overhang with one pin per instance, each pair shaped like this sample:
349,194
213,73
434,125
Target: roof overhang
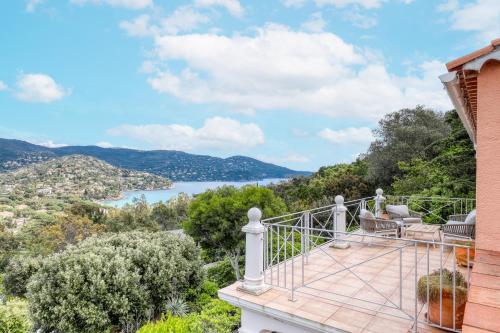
461,83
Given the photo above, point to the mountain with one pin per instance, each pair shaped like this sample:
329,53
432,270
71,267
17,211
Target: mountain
82,176
174,165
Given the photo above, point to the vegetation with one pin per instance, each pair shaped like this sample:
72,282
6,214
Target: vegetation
14,317
216,217
433,282
217,317
118,280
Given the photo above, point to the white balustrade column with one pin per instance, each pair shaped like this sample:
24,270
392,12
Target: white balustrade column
339,223
254,255
379,199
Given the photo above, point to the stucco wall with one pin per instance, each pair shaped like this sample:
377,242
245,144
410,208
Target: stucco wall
488,158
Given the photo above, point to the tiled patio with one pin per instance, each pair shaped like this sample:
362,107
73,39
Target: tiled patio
365,298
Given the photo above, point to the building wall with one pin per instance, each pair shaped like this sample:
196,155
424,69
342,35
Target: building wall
488,158
258,322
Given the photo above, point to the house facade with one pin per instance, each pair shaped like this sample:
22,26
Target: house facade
473,84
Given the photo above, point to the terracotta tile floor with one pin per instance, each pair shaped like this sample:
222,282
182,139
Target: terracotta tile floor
365,298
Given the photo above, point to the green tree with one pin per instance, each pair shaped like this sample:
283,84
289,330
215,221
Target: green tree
17,274
114,281
217,216
400,137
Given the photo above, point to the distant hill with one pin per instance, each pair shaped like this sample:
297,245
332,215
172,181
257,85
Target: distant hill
81,176
174,165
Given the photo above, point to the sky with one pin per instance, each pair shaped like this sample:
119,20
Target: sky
299,83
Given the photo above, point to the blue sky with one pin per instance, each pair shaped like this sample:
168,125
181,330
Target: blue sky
299,83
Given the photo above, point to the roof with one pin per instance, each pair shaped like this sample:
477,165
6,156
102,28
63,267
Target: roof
461,83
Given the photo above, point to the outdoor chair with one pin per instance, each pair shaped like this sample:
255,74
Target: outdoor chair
376,226
460,226
401,213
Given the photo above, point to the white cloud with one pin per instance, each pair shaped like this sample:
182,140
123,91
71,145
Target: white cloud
130,4
139,27
316,23
31,5
280,69
232,6
216,133
368,4
361,20
39,88
288,158
104,144
52,144
183,19
3,86
347,135
294,3
480,16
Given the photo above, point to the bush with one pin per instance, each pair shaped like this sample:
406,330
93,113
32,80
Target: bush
118,281
14,317
222,273
18,272
217,317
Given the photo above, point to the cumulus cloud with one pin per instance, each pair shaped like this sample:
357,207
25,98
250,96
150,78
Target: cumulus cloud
360,20
294,3
139,27
369,4
216,133
316,23
480,16
277,68
52,144
3,86
130,4
39,88
232,6
347,135
289,158
104,144
31,5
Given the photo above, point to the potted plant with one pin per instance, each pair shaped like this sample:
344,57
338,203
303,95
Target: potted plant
431,283
461,253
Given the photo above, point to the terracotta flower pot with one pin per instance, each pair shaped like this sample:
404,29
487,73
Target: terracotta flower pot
447,312
461,256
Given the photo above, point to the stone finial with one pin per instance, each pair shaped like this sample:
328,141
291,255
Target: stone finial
254,214
379,191
339,200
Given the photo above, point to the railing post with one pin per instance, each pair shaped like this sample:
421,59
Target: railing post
339,223
379,199
254,255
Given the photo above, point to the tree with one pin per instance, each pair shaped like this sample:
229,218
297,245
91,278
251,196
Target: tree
452,172
17,274
217,216
113,281
400,137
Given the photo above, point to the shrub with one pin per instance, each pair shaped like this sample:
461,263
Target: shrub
217,317
222,273
117,280
434,281
14,317
17,274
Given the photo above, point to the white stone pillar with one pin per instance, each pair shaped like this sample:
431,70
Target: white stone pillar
339,223
379,199
254,255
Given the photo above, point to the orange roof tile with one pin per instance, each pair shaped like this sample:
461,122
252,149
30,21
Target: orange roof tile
452,65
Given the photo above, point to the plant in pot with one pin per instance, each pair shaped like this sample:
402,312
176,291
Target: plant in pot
461,253
428,289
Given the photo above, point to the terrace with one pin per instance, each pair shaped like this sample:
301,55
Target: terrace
320,271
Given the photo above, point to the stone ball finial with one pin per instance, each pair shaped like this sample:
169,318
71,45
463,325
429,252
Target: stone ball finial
379,191
254,214
339,200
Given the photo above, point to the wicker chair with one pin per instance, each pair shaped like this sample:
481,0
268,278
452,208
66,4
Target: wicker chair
401,213
458,227
376,226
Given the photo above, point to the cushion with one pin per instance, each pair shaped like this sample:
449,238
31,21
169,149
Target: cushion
471,218
408,220
400,210
366,214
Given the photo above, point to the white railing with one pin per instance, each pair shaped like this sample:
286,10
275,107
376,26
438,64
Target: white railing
291,240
